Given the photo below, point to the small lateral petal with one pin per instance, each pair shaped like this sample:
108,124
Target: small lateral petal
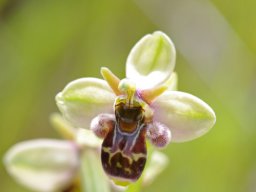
43,165
187,116
83,99
149,95
151,61
111,78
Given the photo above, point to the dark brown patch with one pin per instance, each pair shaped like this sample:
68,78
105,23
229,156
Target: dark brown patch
122,165
128,117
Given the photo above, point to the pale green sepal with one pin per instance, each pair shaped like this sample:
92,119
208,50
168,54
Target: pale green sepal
187,116
173,82
151,61
43,165
83,99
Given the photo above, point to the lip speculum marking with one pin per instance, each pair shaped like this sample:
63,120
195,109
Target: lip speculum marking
124,152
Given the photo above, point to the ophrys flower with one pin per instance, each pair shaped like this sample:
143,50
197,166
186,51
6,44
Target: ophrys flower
143,105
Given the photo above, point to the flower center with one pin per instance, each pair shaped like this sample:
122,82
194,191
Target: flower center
128,87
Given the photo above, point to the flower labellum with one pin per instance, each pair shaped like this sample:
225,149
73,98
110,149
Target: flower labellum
146,106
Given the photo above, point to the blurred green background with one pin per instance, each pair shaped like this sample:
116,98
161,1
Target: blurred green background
46,44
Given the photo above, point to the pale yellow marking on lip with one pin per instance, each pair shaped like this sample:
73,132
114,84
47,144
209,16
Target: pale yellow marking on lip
108,150
135,156
128,170
118,165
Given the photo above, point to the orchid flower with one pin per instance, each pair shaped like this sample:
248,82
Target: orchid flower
143,106
70,165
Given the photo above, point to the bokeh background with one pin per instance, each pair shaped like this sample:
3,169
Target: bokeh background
46,44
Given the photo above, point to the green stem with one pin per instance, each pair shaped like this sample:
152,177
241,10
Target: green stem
93,178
